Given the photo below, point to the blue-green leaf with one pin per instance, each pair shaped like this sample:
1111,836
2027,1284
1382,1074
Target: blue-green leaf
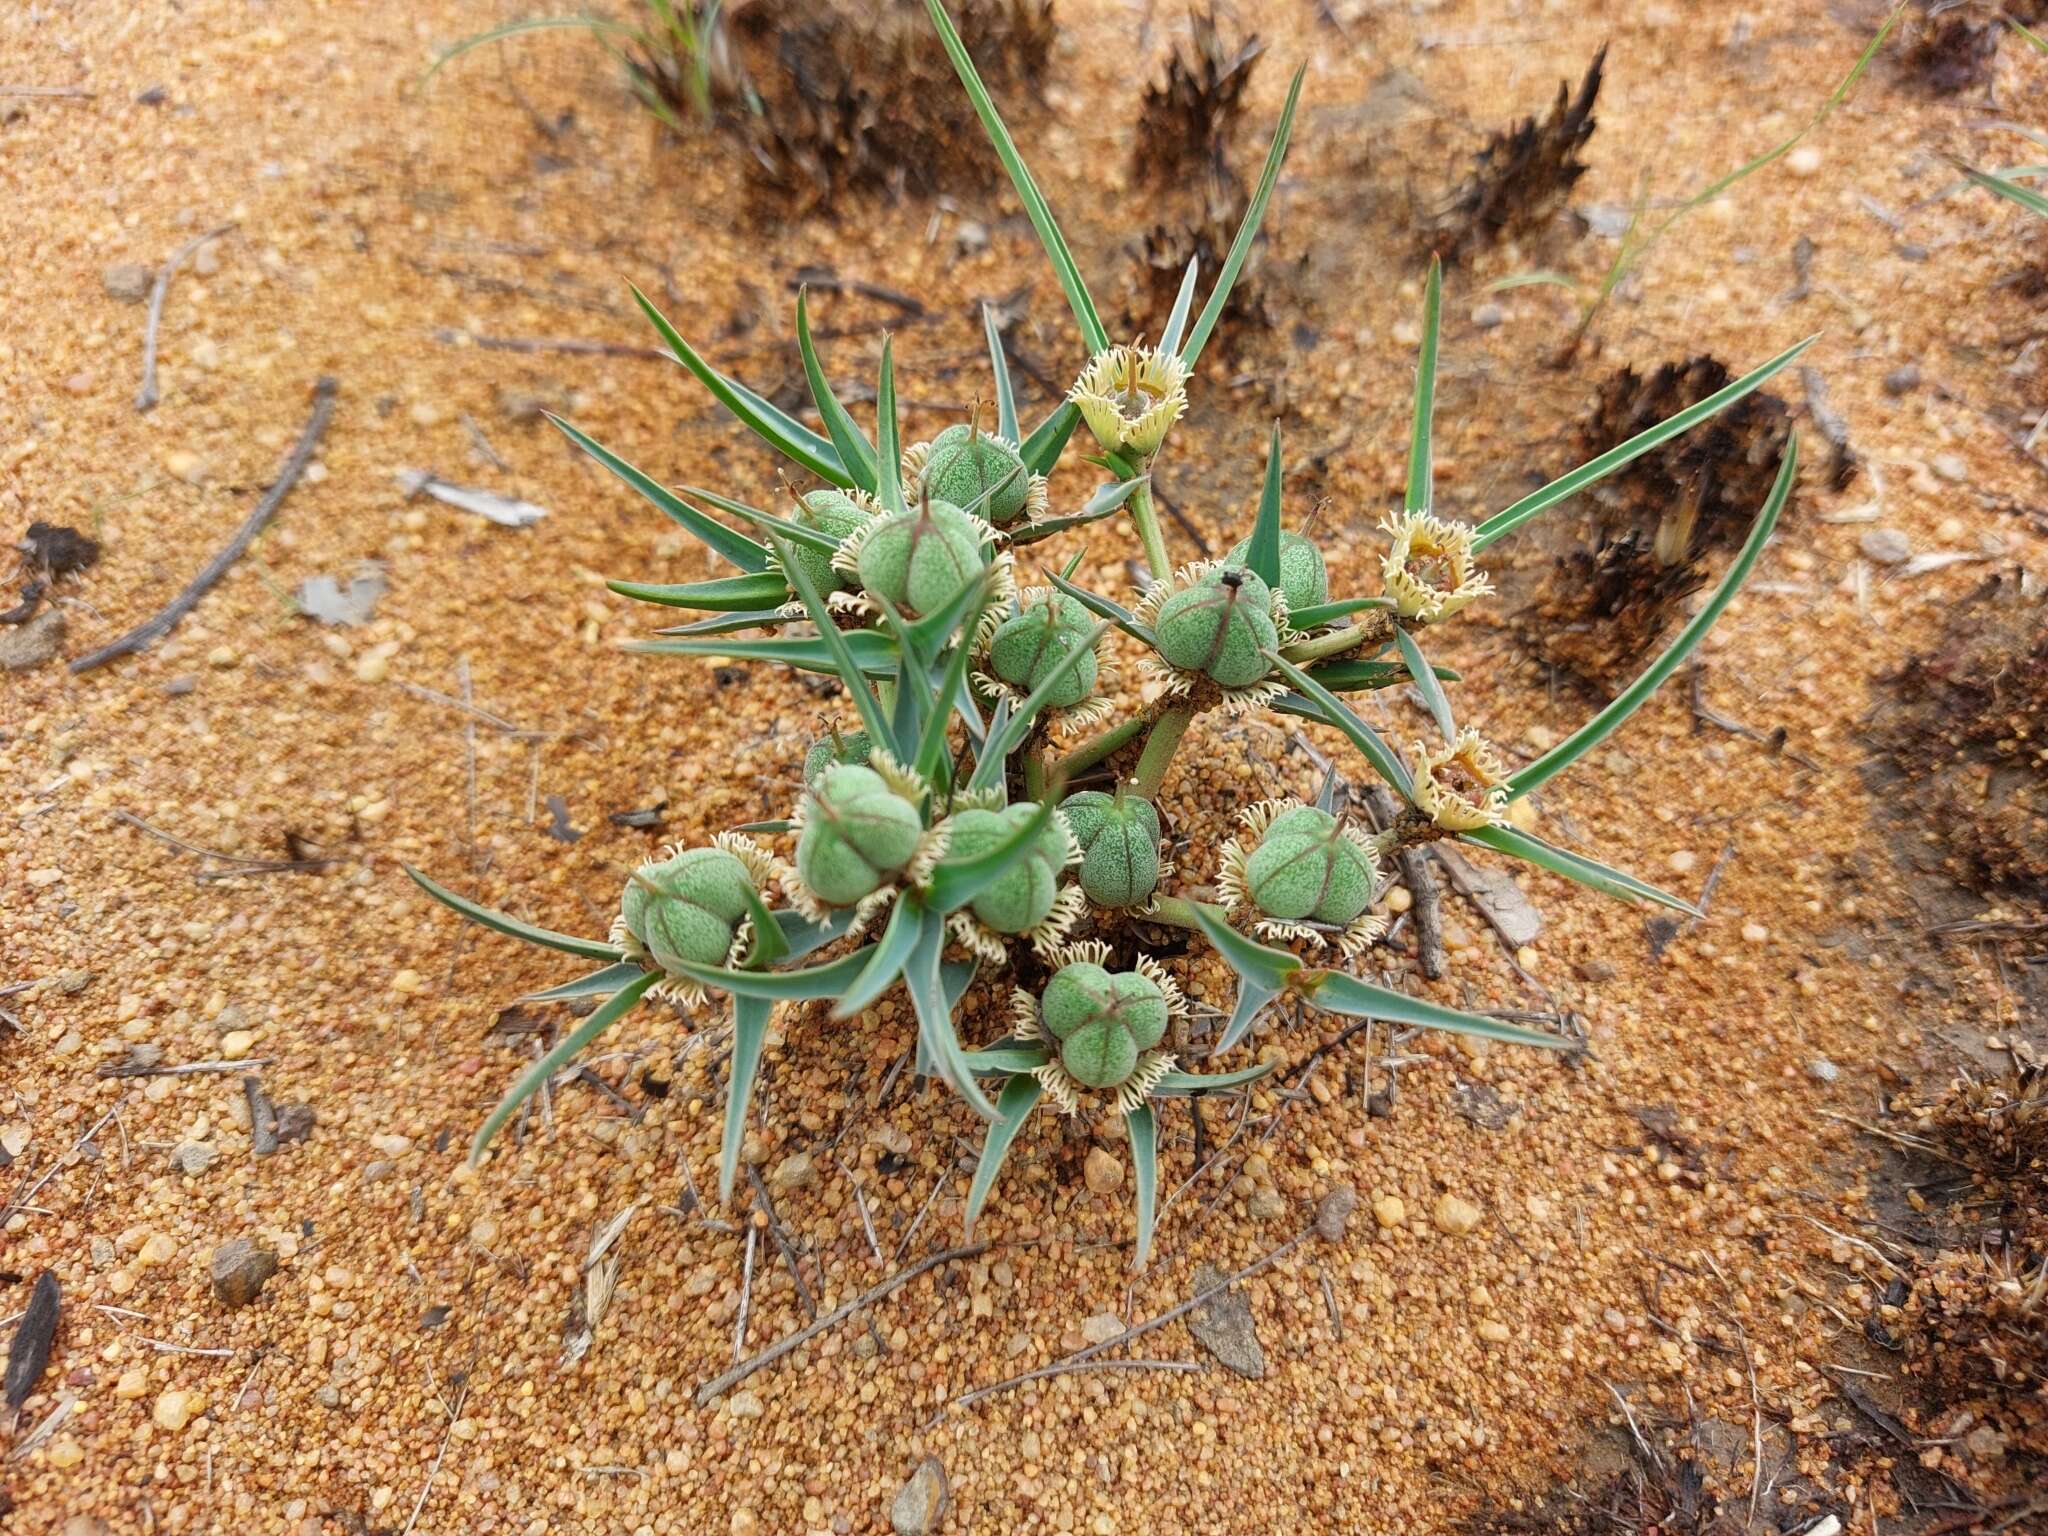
886,959
1042,449
602,1018
1248,231
750,1016
1575,866
1019,1097
935,1012
1263,556
1142,1130
1334,711
752,593
597,984
875,653
999,369
1345,995
956,882
1180,1085
888,434
547,938
1183,302
1421,463
847,438
850,671
1426,684
736,547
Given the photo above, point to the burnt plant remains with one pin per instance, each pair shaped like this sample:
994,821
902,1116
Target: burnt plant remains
1521,177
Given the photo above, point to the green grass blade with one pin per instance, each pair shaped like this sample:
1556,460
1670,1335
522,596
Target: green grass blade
1035,206
885,960
2011,191
2033,37
602,1018
1513,517
547,938
1426,684
1371,745
1006,1060
1590,873
751,593
999,370
854,450
736,547
876,653
1019,1097
773,425
1610,719
1263,553
988,769
1142,1128
850,671
1248,231
1183,302
750,1016
889,433
1421,462
596,24
1181,1085
935,1013
1338,993
1102,607
597,984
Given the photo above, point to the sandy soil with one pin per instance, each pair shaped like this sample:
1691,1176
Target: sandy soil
1671,1219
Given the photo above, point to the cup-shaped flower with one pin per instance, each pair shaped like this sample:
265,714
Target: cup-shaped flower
832,749
1103,1021
856,832
1429,569
688,906
982,473
1026,898
1220,626
1119,840
919,559
838,515
1462,786
1130,396
1304,581
1026,648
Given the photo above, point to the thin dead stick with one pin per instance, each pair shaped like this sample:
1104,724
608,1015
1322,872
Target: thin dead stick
1090,1351
242,863
796,1272
1419,876
156,628
50,1172
49,92
577,345
718,1386
860,1203
150,394
183,1069
1058,1369
454,1412
739,1332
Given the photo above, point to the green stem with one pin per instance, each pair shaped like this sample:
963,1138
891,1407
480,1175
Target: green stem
1179,912
1096,748
1146,520
1164,737
1034,776
1376,631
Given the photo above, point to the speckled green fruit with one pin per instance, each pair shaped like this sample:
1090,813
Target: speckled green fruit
688,906
1306,869
857,832
1102,1020
829,751
920,559
834,514
1119,846
1220,627
1027,648
965,466
1020,898
1303,581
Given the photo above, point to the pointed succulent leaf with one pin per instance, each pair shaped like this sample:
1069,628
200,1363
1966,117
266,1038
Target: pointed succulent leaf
1141,1129
1247,232
1102,607
773,425
1270,968
1511,518
1347,996
875,653
851,443
602,1018
999,370
597,984
957,881
1575,866
1183,303
750,1016
843,662
1426,683
736,547
1421,464
1028,194
1005,1060
1042,449
1180,1085
1610,719
731,623
1019,1097
752,593
547,938
1263,556
886,958
1334,711
1318,614
921,973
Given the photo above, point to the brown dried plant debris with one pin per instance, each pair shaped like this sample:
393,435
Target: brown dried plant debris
1186,159
1954,44
1643,538
861,97
1521,177
1967,731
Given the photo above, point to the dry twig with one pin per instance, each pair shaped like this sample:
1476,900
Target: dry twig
150,394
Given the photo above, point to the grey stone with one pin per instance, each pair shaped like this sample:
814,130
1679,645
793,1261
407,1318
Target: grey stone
193,1158
126,282
1333,1212
1902,380
30,645
1224,1327
1887,546
241,1268
921,1502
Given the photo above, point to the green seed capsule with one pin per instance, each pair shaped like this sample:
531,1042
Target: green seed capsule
1103,1021
1119,841
1305,867
688,907
1220,627
1303,581
981,473
1020,898
834,514
1026,649
857,832
920,559
830,751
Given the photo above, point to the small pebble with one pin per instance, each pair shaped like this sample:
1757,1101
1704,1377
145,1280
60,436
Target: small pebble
185,465
1102,1327
744,1405
1389,1210
920,1503
1754,933
1950,467
1886,546
132,1383
1902,380
797,1171
1594,971
236,1044
240,1269
1803,161
1494,1331
1333,1212
1487,316
1455,1216
1104,1171
1681,862
126,282
1821,1070
1266,1205
176,1408
193,1158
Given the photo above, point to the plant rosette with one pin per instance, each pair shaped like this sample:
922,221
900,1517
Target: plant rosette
917,560
1214,624
1102,1029
1300,873
979,472
1020,644
693,905
860,839
1027,900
